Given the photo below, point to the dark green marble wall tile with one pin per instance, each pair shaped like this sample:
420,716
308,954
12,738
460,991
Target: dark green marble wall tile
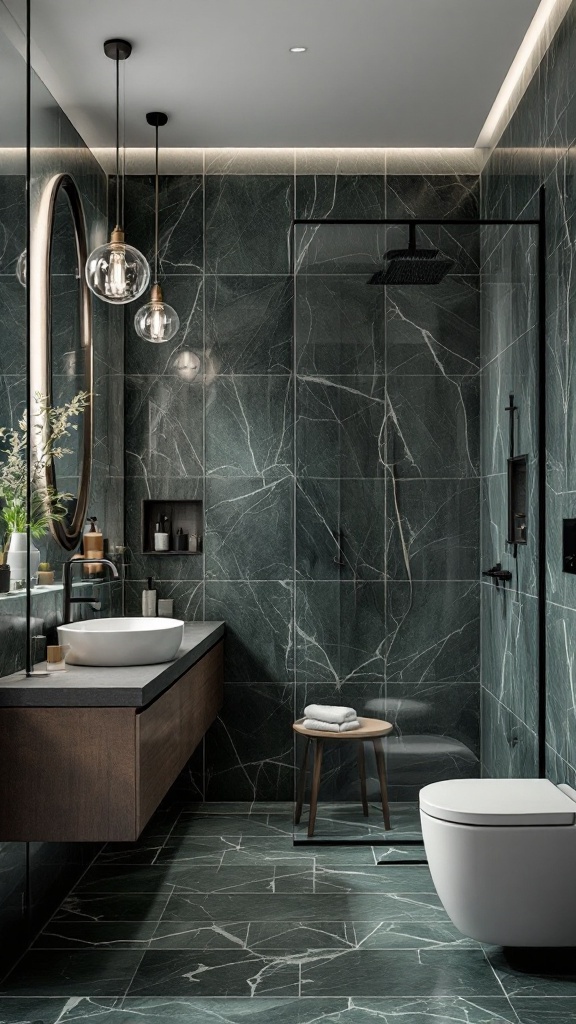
434,330
249,749
181,220
249,324
432,631
12,221
432,195
340,631
340,326
249,427
433,426
340,196
561,705
341,529
12,325
509,749
433,529
340,426
249,529
248,221
510,650
558,770
259,642
342,249
164,428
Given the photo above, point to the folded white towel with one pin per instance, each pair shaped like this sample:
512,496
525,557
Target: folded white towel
330,713
315,723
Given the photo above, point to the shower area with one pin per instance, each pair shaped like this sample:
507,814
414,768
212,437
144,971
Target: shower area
410,337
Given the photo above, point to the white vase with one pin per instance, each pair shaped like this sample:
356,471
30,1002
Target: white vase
17,558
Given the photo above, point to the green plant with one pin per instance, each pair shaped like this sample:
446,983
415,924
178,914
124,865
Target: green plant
44,567
52,425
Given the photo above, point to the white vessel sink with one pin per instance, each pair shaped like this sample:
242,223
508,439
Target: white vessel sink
136,641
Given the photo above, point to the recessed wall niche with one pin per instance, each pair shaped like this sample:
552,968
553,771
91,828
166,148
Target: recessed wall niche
181,520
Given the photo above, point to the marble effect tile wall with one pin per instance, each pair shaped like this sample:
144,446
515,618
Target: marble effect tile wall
350,411
536,148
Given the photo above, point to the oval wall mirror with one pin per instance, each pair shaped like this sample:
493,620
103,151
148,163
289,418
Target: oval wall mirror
61,341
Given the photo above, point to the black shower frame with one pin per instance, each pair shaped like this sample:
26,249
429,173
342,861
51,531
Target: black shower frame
539,223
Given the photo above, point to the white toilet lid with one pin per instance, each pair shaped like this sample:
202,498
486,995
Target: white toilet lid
498,802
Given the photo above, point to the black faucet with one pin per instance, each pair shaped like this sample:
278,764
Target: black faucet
498,574
67,583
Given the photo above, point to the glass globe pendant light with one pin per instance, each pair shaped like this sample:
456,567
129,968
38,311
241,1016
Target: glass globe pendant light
116,272
156,321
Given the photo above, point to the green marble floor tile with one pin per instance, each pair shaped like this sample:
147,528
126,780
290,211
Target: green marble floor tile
113,906
60,934
400,973
229,851
283,1010
16,1010
223,973
72,973
286,1010
299,937
272,826
289,877
286,907
545,1010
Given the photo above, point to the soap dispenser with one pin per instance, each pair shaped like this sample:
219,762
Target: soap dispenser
149,600
93,547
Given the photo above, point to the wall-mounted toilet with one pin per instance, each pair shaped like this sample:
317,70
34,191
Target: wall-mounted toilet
502,854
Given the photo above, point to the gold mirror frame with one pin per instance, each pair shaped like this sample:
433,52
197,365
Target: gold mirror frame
65,533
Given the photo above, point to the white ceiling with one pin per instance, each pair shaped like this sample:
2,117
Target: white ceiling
377,73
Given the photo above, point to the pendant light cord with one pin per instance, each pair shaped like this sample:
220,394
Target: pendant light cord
117,141
156,213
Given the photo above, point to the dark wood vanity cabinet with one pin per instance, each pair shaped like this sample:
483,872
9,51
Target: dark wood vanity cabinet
97,774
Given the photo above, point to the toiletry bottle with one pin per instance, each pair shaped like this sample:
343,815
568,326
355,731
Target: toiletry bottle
161,534
149,600
181,540
93,547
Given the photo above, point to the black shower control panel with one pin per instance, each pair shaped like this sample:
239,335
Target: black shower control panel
569,545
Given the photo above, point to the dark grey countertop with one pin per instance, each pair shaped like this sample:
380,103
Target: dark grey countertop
128,686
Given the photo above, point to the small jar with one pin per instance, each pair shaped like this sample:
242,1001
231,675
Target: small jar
56,658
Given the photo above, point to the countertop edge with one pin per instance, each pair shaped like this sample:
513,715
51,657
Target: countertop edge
18,693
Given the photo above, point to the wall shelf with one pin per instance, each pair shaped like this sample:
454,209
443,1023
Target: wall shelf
184,514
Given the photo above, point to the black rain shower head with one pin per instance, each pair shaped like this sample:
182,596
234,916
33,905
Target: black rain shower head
412,265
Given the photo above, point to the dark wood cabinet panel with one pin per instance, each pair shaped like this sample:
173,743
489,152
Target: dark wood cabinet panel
97,774
170,729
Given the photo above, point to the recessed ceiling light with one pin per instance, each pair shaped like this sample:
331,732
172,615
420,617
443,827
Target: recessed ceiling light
298,49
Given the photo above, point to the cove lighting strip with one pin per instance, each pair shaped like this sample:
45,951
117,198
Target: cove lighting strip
532,48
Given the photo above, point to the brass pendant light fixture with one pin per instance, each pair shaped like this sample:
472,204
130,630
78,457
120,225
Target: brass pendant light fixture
156,322
116,272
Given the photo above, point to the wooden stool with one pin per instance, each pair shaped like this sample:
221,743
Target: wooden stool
370,729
